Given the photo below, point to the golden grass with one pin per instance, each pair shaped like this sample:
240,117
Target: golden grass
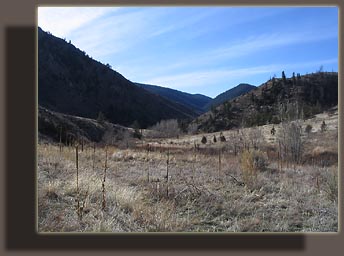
303,198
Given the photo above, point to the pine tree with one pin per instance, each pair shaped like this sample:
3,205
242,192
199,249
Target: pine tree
137,133
323,126
294,79
101,118
214,139
273,130
284,79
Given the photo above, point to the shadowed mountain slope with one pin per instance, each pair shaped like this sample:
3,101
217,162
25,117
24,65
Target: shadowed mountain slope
71,82
196,102
230,94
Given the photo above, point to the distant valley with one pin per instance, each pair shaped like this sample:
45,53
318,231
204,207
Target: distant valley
73,84
117,156
196,102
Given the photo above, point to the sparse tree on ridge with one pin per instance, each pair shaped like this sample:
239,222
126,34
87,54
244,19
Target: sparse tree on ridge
136,126
323,126
101,118
284,79
294,79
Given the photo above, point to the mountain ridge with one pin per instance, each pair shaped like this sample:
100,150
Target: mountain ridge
196,102
71,82
230,94
274,101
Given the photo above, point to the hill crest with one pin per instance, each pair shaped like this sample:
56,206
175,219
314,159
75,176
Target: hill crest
274,101
71,82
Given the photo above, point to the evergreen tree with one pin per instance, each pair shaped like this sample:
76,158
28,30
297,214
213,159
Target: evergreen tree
137,133
323,126
294,79
273,130
222,137
284,79
101,118
214,139
227,109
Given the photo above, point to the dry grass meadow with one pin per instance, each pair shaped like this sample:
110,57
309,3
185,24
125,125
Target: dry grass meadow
174,186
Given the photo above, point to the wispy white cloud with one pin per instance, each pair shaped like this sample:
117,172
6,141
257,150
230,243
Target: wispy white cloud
61,21
205,78
122,30
245,47
160,29
112,34
254,44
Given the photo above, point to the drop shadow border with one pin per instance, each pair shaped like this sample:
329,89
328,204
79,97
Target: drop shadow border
20,178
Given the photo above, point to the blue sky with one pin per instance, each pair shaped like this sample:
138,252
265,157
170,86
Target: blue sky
201,49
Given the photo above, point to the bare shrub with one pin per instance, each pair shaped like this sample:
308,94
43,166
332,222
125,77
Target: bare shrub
234,142
256,138
290,111
192,128
126,140
252,162
108,136
331,185
166,129
290,142
243,140
260,161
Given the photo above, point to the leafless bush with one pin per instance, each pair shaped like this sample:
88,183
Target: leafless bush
166,129
244,140
192,128
252,162
331,185
290,141
109,136
126,140
234,143
256,138
290,111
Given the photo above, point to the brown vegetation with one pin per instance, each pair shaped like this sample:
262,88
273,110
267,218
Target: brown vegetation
180,187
